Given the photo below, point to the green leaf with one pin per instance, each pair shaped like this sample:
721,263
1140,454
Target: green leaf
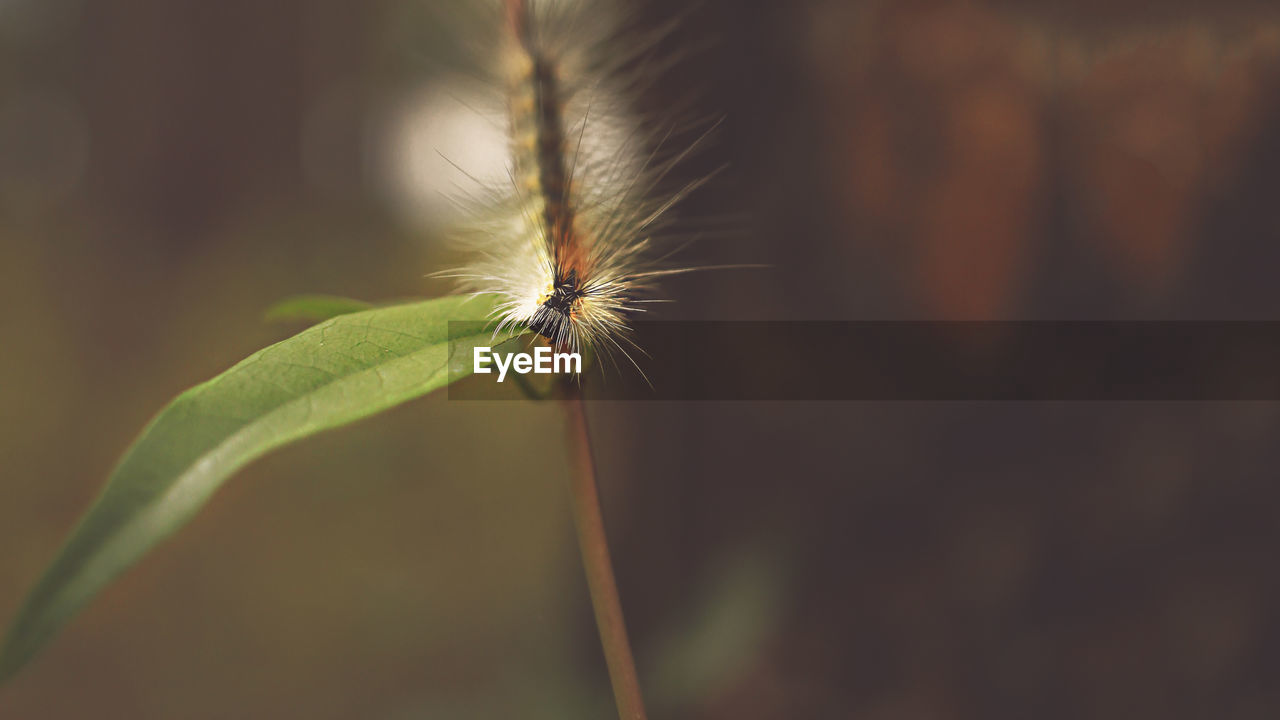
339,371
314,308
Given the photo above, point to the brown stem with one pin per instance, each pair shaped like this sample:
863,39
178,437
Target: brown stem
595,560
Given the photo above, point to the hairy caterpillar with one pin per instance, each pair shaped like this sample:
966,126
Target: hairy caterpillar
567,244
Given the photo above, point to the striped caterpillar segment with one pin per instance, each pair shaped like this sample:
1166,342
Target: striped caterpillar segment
568,256
538,99
540,158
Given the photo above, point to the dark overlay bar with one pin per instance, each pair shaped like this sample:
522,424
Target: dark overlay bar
923,361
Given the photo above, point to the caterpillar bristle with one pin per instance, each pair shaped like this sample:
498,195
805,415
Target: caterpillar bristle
567,245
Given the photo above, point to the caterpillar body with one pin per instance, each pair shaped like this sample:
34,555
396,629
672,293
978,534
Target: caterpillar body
569,254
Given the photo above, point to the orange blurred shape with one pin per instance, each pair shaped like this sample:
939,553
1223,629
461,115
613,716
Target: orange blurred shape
1159,123
976,217
945,114
1137,160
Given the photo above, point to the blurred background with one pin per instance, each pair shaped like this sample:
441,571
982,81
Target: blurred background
170,168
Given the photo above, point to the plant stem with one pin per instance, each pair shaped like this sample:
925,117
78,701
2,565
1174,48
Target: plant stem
595,559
